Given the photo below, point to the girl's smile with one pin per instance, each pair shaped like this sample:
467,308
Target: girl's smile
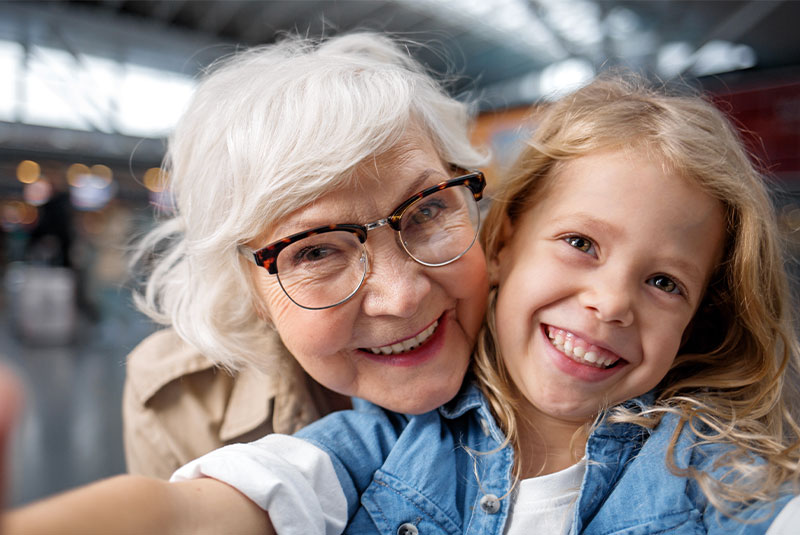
580,350
598,280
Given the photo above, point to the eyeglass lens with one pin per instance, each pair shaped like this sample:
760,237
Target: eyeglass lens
439,228
326,269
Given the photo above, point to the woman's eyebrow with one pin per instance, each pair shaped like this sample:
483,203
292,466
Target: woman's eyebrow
422,181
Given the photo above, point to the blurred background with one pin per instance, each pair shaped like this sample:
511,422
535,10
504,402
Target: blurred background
90,89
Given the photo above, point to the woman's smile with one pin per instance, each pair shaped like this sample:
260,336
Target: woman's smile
407,344
433,338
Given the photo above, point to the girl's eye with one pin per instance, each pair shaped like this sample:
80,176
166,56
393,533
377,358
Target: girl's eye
581,243
665,284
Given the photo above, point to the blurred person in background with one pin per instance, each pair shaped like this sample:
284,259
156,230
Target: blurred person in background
52,242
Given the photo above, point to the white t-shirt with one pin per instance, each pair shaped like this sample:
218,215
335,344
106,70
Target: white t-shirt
788,520
545,504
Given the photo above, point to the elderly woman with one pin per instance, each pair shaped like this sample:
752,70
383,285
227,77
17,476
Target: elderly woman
288,158
325,216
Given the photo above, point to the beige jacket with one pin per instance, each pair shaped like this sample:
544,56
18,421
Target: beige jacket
177,405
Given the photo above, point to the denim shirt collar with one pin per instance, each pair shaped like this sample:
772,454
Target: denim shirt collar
624,431
471,398
468,398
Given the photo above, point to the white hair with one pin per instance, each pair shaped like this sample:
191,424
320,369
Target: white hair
267,131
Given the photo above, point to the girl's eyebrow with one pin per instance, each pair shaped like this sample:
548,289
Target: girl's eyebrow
590,221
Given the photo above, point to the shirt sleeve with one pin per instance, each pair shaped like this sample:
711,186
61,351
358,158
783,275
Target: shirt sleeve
292,479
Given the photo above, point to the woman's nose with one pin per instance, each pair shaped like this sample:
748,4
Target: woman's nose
395,286
610,299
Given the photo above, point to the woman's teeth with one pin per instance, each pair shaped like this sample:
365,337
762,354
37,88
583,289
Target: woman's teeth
579,351
406,345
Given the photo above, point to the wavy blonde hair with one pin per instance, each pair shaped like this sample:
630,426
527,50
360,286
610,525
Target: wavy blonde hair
735,378
268,131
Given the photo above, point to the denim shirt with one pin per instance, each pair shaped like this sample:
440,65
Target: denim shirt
445,472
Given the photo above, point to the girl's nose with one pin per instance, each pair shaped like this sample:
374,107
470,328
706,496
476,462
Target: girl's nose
609,299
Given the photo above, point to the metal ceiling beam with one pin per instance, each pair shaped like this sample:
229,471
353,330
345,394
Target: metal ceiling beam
218,15
742,20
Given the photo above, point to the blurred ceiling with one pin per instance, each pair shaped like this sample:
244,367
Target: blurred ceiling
504,52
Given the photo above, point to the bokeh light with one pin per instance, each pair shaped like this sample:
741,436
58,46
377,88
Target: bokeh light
28,171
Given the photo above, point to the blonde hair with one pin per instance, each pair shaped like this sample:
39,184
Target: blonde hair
268,131
735,376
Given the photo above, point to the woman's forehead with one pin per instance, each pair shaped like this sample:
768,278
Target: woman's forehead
368,196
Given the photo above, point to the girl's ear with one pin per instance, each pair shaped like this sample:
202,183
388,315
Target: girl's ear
503,237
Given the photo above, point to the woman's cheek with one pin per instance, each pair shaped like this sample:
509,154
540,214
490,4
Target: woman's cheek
473,283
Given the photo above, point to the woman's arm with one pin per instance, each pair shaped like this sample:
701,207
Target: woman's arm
135,504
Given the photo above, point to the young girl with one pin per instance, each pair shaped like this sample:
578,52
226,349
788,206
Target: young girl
637,359
640,336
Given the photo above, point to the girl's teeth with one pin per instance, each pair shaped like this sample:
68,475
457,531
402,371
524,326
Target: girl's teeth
576,349
406,345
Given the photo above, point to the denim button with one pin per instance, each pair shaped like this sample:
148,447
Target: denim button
407,529
490,504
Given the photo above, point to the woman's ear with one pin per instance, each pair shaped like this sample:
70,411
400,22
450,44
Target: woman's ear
495,261
257,301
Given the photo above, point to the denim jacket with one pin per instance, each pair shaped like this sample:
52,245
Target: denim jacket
445,472
628,490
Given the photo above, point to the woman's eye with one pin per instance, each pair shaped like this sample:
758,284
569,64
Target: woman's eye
426,213
313,254
581,243
665,284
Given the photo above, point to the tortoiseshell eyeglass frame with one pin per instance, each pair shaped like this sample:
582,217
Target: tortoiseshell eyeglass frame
266,257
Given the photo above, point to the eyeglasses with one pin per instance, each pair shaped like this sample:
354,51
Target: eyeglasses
325,266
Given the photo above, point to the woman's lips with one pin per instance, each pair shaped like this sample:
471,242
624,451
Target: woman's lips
404,346
425,345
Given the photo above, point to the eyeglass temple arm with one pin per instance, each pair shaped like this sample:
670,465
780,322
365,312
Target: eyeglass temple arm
248,253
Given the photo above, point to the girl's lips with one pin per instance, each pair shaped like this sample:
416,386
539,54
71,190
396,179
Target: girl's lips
562,346
579,349
432,340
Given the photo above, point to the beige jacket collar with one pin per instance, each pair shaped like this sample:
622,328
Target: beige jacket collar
164,357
